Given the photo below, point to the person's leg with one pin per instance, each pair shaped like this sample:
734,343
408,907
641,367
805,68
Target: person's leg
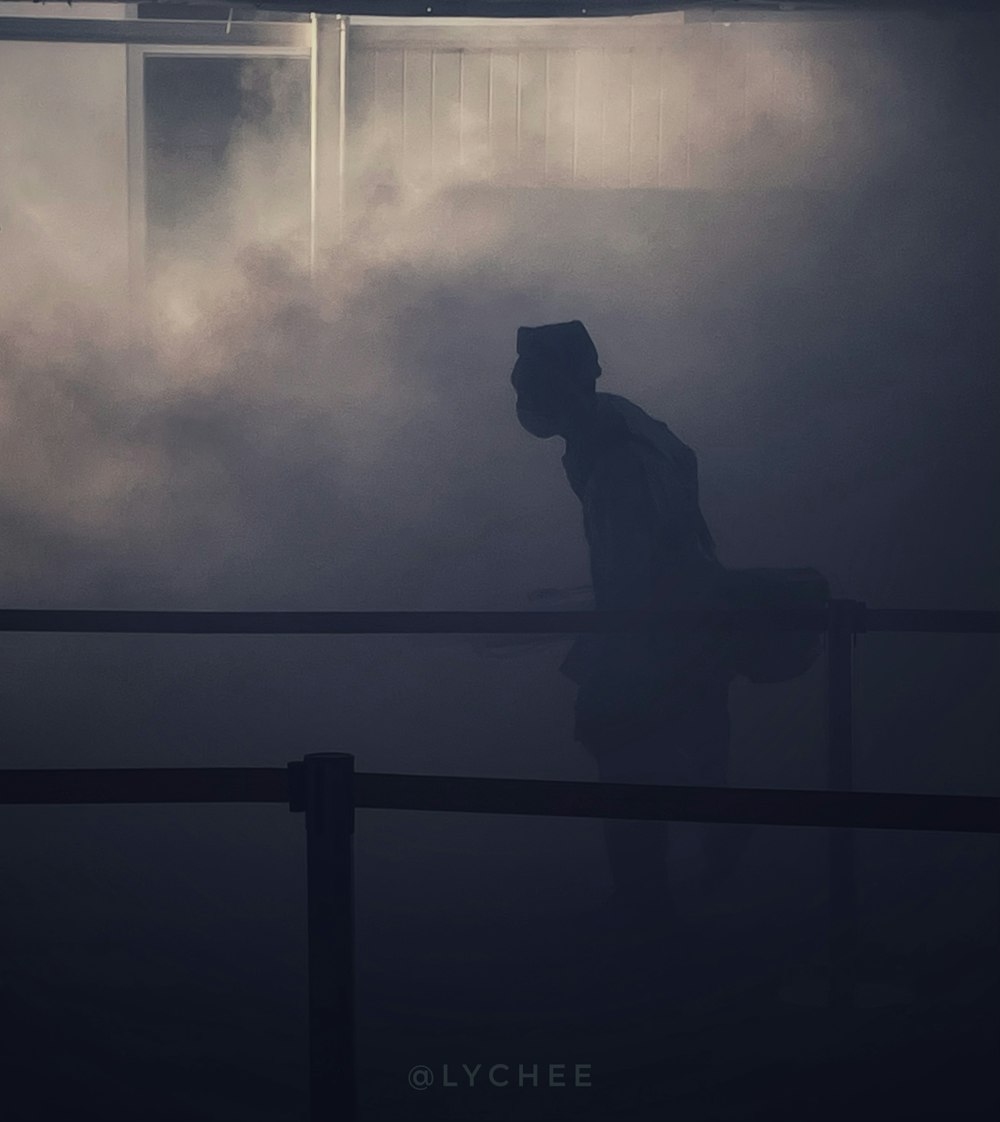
696,753
636,849
690,747
723,843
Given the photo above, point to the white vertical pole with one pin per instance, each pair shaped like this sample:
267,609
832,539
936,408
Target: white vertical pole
344,23
313,122
136,172
327,132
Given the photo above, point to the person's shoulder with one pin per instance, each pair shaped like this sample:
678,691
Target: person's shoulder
622,408
650,437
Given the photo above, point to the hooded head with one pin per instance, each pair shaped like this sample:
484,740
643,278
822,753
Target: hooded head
556,370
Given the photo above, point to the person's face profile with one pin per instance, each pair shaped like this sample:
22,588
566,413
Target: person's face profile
538,400
537,423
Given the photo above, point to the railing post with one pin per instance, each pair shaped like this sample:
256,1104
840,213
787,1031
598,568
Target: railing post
323,786
845,620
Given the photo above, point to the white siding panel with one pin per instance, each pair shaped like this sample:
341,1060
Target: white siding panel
417,114
532,121
474,116
446,98
385,123
63,173
617,123
700,105
590,96
704,122
644,123
675,99
560,108
731,104
503,114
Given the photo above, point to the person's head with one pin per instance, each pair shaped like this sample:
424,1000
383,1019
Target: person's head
555,373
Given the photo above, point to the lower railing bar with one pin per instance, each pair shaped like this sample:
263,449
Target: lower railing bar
977,814
325,786
144,785
563,798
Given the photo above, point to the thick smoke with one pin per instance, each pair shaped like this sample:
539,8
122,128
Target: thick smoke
349,438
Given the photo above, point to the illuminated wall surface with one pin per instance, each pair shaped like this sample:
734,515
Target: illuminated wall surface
63,181
702,106
698,106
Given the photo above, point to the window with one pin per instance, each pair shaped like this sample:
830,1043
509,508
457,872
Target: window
226,156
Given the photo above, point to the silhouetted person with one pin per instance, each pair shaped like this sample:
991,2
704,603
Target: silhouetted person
650,708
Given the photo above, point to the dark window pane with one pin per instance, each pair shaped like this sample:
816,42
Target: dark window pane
227,150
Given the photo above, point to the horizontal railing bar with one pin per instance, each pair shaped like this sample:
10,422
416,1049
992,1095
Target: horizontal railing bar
64,786
855,809
931,620
386,623
471,795
447,622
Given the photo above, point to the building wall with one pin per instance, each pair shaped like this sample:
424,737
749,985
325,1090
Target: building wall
62,9
655,103
63,173
696,106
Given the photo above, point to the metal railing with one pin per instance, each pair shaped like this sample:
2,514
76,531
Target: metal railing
327,789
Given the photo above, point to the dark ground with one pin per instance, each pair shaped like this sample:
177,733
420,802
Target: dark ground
724,1019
